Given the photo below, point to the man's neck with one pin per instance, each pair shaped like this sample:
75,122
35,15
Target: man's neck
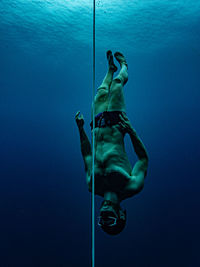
112,196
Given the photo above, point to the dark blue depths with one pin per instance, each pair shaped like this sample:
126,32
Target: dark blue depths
45,206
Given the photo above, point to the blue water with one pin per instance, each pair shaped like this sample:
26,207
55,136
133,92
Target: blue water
45,78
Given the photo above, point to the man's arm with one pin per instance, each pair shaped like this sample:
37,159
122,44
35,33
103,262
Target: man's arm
141,165
140,168
139,171
85,143
85,148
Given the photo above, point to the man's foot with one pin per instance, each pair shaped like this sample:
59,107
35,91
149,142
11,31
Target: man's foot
121,59
110,61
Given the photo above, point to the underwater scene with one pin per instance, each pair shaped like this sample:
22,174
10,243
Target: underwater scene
146,77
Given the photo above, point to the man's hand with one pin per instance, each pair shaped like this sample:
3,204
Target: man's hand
125,125
79,120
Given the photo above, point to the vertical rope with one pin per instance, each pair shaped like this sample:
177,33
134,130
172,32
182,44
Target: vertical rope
93,147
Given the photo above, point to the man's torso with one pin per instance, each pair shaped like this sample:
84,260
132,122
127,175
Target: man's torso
112,167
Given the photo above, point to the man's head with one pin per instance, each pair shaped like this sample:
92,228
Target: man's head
112,218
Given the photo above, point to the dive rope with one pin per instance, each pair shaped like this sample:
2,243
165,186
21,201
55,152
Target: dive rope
93,145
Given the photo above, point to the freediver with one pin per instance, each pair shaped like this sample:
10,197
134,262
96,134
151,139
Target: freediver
115,179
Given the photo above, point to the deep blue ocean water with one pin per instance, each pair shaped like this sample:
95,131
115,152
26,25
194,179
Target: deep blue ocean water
45,78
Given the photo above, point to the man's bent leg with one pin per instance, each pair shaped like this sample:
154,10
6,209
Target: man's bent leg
121,77
123,74
117,101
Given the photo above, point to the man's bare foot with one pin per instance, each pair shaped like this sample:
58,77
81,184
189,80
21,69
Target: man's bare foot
120,58
110,61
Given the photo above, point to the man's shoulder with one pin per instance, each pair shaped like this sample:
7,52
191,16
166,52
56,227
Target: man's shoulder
135,185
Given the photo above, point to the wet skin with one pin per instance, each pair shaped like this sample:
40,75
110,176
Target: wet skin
113,171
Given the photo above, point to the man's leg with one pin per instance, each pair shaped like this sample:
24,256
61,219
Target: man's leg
109,75
117,102
123,74
101,100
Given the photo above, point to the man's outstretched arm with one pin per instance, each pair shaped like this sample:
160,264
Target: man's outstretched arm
85,143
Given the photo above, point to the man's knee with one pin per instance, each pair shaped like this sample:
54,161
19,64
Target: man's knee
121,79
104,87
117,80
125,78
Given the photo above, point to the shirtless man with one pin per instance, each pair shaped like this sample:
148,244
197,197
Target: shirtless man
115,179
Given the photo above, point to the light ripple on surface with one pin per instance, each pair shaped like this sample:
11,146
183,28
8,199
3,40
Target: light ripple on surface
145,25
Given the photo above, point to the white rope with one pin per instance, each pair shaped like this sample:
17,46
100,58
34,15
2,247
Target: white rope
93,146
